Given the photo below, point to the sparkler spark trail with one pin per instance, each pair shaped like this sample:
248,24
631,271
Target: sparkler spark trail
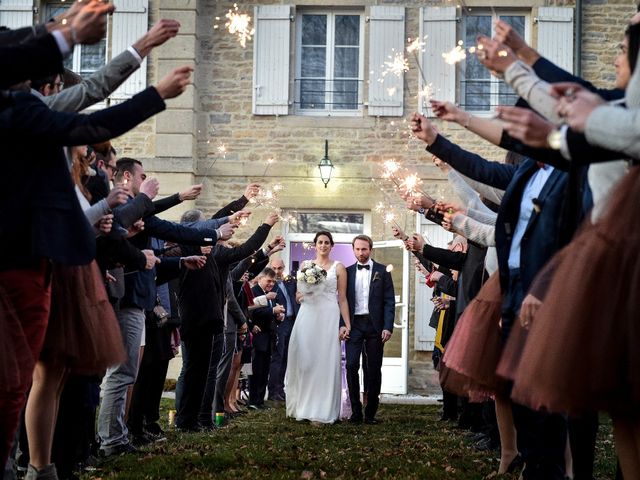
239,24
269,163
396,66
455,55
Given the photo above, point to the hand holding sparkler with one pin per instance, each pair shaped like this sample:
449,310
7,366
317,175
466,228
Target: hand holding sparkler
399,234
276,245
508,36
417,201
251,191
441,164
449,112
272,218
191,193
240,218
494,55
415,243
422,128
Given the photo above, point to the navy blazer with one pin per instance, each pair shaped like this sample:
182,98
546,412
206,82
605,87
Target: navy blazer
291,285
41,215
264,318
541,239
382,298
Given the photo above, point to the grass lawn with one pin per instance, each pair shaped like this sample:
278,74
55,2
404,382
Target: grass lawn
410,444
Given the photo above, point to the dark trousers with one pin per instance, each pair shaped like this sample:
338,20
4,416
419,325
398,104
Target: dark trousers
364,336
542,441
205,417
542,436
582,439
25,320
224,369
75,431
278,366
260,376
147,391
195,369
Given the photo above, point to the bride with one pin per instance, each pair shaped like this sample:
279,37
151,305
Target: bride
313,378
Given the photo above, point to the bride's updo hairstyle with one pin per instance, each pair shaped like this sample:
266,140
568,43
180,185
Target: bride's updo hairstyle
323,233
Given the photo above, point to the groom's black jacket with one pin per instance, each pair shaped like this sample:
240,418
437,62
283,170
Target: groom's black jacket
382,299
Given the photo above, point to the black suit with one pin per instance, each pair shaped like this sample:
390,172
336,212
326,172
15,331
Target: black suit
28,53
366,333
265,320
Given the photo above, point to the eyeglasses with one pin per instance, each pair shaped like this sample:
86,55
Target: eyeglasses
113,168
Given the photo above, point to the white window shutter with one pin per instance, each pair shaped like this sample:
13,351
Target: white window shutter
438,24
555,35
271,48
16,13
130,22
386,39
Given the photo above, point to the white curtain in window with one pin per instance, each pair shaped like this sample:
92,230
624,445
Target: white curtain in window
16,13
386,41
439,25
130,22
271,48
555,35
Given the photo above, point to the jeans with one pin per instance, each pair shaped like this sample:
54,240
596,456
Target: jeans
112,429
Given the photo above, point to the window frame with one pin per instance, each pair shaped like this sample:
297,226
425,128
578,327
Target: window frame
331,14
494,13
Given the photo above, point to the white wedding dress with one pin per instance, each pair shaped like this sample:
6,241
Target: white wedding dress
313,378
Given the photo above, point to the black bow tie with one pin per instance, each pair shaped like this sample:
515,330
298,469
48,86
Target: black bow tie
360,267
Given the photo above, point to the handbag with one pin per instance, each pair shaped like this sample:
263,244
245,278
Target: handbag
160,314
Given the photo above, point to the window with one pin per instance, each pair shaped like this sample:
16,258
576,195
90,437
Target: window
86,58
336,222
479,90
329,63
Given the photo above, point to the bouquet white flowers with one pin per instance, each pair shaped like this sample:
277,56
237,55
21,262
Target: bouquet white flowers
311,274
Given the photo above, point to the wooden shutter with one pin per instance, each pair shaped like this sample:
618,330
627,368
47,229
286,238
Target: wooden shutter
555,35
386,39
271,48
16,13
439,25
130,22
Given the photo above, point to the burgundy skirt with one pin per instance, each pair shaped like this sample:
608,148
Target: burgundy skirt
83,331
583,348
472,353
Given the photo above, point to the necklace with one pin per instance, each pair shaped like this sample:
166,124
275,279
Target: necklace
323,265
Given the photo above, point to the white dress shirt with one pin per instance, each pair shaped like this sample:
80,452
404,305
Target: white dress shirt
363,280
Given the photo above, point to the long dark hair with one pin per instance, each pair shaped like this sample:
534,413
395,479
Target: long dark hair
633,33
326,234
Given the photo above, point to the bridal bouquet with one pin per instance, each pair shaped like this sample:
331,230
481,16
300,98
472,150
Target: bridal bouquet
311,274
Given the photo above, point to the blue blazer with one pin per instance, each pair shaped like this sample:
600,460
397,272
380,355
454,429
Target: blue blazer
382,299
264,318
40,215
541,239
291,285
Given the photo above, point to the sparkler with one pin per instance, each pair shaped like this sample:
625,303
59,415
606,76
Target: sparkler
239,24
269,163
396,66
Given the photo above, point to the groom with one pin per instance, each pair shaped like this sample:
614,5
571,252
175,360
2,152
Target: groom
371,309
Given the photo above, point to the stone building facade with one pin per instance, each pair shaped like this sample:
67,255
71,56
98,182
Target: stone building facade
211,134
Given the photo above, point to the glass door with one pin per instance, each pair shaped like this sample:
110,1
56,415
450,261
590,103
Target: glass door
395,363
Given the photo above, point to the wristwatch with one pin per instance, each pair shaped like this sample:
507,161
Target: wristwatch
421,211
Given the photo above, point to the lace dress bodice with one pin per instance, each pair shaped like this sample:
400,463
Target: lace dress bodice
327,290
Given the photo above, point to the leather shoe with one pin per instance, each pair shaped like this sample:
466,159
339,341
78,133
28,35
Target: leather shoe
372,421
355,419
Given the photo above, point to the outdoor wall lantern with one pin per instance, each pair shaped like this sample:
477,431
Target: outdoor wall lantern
325,165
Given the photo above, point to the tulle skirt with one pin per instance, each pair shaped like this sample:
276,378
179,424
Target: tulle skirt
83,331
472,353
583,348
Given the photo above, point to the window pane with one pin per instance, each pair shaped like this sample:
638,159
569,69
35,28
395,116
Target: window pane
346,62
313,62
345,94
335,222
314,30
92,57
476,89
516,22
347,30
312,94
